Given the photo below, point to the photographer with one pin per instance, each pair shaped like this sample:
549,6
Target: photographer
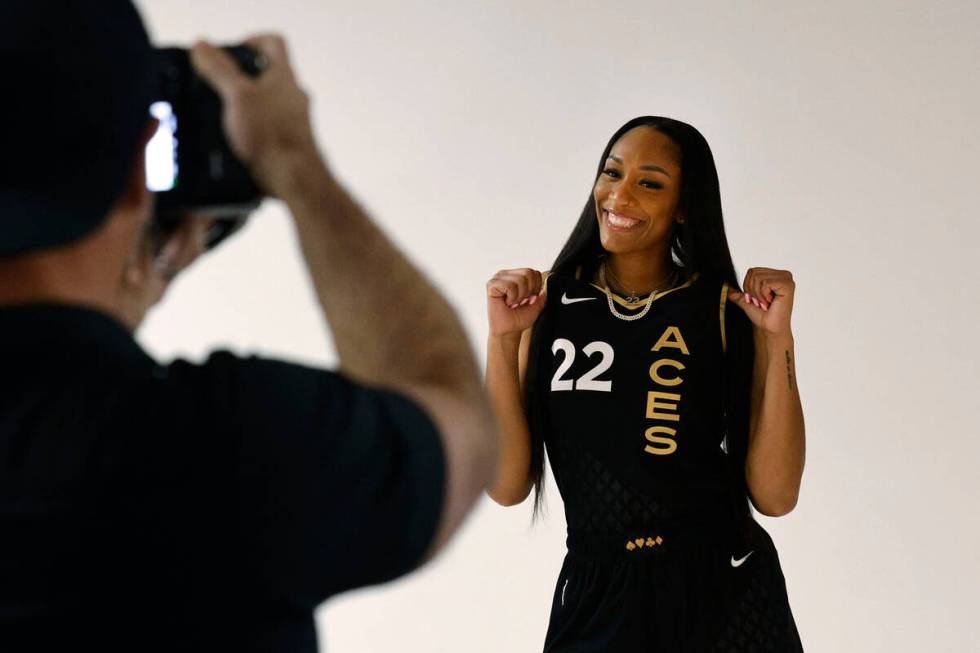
202,506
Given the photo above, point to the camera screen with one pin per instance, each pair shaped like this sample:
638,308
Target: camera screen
161,150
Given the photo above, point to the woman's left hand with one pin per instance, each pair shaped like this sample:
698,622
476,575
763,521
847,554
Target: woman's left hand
767,299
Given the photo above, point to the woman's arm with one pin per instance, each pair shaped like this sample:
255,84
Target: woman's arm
506,367
777,443
515,299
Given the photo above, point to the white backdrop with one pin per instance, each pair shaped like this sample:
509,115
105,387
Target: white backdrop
847,142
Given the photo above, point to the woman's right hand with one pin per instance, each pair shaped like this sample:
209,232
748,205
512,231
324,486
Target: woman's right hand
515,299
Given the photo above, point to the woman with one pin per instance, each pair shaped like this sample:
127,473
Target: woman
666,398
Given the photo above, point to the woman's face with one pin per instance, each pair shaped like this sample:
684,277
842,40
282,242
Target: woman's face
637,192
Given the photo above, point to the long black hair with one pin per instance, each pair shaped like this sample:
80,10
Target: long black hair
698,245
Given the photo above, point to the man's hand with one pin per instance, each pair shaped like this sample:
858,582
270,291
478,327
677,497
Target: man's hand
266,119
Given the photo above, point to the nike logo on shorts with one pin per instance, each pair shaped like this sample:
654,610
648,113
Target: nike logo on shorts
565,299
738,563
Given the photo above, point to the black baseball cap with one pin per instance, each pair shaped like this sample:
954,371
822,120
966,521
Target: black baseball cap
77,84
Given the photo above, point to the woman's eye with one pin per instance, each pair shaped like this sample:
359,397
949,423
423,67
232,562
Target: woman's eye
611,172
652,184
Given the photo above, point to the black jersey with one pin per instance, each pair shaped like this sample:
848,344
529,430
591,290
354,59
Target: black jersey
643,400
634,414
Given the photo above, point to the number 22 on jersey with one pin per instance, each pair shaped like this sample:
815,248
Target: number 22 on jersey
588,380
661,405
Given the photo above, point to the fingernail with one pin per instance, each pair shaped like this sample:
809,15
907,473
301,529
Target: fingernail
533,299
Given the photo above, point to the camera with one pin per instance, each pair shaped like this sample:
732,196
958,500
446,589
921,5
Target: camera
189,164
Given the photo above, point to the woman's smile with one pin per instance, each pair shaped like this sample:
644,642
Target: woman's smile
621,222
636,195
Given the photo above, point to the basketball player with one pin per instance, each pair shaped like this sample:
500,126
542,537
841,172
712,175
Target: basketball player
666,397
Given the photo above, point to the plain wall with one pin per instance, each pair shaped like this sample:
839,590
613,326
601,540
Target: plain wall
847,140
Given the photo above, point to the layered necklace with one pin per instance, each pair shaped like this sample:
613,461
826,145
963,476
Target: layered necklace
633,296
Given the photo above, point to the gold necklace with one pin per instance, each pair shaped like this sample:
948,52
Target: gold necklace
633,296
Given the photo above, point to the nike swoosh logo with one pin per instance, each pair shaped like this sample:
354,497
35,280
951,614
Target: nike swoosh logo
565,299
738,563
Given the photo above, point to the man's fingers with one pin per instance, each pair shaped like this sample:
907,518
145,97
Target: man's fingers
217,68
196,240
184,245
273,48
270,44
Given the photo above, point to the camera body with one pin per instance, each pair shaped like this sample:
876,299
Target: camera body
189,164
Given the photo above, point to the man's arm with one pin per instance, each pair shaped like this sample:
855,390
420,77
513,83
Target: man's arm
391,327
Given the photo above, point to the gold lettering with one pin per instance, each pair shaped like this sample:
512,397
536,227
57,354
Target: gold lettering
671,338
655,372
653,405
664,445
663,405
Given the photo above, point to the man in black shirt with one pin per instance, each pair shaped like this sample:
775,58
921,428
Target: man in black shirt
205,506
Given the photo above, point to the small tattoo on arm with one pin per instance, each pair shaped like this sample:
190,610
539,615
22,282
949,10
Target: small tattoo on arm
789,369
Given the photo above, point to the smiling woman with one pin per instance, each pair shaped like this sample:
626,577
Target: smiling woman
636,197
650,405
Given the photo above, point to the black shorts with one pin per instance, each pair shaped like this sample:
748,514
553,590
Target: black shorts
684,594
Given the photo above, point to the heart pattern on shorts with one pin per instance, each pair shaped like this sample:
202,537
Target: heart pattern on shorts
640,542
